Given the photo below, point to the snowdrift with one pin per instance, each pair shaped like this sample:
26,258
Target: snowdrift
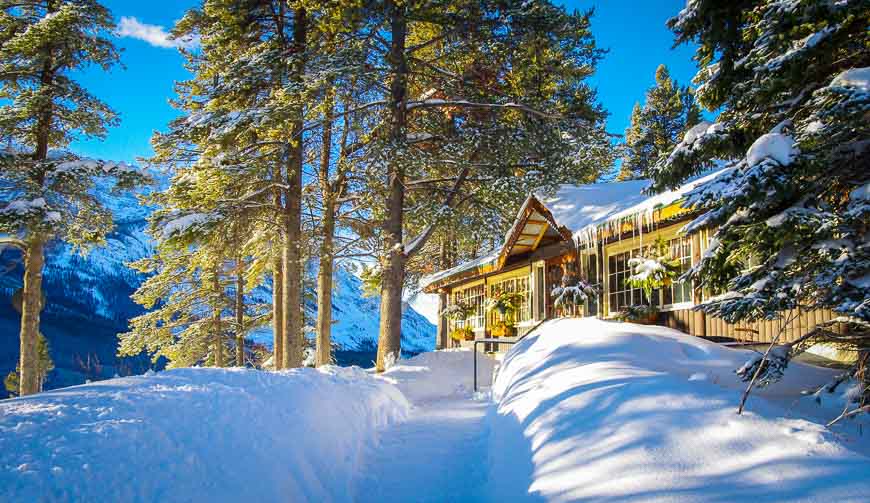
595,410
439,374
196,435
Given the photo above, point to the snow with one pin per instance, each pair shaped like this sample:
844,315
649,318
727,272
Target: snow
184,223
439,374
696,132
595,410
583,409
196,435
579,206
467,266
858,78
777,146
643,268
638,207
24,206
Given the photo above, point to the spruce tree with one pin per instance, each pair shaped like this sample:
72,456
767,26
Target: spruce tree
49,192
791,210
658,125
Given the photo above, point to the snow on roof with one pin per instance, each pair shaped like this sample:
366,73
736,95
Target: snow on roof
584,208
467,266
578,206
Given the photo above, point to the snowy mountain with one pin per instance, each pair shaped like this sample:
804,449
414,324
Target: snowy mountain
89,303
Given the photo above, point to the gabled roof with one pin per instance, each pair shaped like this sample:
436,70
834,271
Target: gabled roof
533,227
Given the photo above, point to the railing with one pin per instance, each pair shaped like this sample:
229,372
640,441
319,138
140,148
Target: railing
500,341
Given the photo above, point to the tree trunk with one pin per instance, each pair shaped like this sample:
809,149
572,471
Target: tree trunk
278,312
293,269
34,256
393,266
240,314
323,343
324,292
31,305
217,326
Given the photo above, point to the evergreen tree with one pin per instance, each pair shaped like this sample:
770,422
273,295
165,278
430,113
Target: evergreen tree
791,211
49,192
669,110
486,97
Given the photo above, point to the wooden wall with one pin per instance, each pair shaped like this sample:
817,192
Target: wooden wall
695,323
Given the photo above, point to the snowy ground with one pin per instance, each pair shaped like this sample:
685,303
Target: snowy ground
585,410
610,411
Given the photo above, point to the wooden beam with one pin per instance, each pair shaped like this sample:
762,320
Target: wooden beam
540,236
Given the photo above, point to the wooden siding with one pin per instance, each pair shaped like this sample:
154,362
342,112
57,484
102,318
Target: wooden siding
688,321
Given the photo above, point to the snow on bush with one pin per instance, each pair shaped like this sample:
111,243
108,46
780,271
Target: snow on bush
196,435
590,410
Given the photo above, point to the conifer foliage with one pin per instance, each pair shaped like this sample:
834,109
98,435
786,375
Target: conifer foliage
50,193
658,125
791,211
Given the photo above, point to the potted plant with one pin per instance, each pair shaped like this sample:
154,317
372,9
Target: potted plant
462,334
572,292
651,271
643,314
506,304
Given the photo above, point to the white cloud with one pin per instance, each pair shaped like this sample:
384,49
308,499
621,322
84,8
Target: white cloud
153,34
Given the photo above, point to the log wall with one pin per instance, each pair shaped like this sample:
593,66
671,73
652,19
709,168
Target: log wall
701,325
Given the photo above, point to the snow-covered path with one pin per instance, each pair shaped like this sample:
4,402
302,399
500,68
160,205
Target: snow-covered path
438,454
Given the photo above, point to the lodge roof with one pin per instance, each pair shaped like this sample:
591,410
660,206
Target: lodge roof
578,211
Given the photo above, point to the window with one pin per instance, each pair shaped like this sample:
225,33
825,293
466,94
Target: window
679,292
472,297
621,295
515,285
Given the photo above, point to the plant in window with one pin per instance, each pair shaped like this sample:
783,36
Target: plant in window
653,270
458,311
505,303
572,292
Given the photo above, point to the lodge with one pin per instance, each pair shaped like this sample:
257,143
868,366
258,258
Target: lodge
590,232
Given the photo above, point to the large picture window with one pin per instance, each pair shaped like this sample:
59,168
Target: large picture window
621,295
520,285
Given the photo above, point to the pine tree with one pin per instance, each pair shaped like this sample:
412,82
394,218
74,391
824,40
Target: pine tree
49,190
489,96
791,210
657,126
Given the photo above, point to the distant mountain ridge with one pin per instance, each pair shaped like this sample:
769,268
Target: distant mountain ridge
91,293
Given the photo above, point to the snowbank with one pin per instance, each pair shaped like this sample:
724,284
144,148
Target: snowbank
196,435
597,410
439,374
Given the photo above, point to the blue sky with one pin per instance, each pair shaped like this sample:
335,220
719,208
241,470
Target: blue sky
633,31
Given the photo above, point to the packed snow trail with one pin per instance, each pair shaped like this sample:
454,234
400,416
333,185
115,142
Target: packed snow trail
438,454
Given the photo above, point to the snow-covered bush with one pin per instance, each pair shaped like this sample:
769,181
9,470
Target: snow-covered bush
572,292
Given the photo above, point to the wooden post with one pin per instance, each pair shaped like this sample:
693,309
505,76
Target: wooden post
699,317
441,336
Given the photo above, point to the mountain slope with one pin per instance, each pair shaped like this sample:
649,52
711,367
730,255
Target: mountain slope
88,303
